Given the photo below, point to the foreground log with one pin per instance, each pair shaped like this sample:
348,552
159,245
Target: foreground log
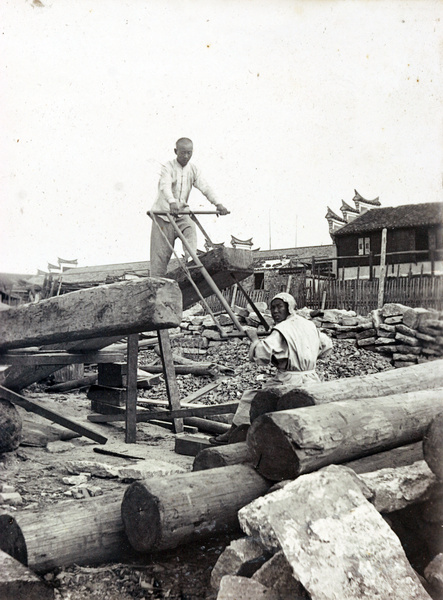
85,533
433,445
425,376
165,513
336,542
288,443
108,310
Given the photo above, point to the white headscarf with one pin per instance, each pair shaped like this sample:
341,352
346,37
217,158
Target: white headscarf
290,301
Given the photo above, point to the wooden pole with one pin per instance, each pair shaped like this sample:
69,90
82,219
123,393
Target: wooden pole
170,378
165,513
287,444
382,275
131,390
30,406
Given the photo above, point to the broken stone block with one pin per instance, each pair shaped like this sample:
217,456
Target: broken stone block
376,318
395,488
411,317
434,573
19,583
148,468
336,542
277,575
407,339
11,498
380,341
393,309
393,320
76,479
59,447
240,311
234,557
96,469
210,334
6,488
402,328
366,342
233,587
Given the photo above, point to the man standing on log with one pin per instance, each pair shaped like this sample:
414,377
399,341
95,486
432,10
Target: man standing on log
177,178
293,346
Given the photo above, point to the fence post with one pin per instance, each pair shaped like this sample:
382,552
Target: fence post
382,275
371,263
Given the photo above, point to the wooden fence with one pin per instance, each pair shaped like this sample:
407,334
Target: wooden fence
360,295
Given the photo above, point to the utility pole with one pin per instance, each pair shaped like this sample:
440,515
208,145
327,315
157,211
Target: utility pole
269,226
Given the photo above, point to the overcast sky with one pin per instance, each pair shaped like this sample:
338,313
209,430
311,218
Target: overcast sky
291,104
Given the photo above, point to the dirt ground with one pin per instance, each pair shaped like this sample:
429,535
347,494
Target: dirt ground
183,573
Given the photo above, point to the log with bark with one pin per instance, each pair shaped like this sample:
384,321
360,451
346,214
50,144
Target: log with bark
168,512
425,376
84,533
288,443
433,446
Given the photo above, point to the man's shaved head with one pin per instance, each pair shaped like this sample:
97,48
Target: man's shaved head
183,150
183,141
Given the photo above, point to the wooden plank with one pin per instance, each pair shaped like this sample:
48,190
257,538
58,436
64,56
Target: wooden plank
59,358
131,391
170,378
107,310
215,409
51,415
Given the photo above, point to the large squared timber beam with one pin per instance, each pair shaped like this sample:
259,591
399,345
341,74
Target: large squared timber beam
105,310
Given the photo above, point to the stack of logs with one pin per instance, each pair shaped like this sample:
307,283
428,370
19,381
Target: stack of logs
325,521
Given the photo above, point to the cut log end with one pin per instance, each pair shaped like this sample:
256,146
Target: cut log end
12,540
141,517
272,452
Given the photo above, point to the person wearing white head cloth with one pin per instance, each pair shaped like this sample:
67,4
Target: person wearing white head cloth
293,346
